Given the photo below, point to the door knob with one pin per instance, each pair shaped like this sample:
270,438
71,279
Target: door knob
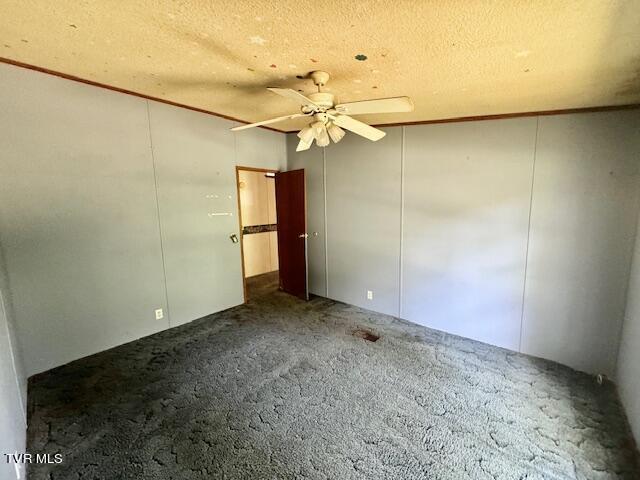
303,235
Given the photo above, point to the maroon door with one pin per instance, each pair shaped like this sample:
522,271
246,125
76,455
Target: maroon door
292,232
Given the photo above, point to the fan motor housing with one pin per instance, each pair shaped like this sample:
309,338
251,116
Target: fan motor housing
322,99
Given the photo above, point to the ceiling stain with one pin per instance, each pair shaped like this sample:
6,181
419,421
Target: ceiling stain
583,53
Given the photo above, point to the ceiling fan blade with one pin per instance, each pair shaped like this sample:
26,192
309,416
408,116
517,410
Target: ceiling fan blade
293,95
266,122
381,105
304,144
358,127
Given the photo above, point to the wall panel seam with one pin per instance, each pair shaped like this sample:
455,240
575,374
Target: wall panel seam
155,189
526,257
400,256
326,237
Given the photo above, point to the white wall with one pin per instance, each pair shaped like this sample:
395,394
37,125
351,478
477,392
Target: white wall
582,228
84,198
628,371
6,309
467,190
13,393
260,148
78,217
195,174
514,232
363,221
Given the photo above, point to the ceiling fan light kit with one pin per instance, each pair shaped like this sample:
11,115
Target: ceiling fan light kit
318,127
306,134
322,138
331,120
335,132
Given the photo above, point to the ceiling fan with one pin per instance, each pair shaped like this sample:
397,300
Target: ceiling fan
330,119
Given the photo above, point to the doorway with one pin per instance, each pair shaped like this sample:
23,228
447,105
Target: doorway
273,237
258,231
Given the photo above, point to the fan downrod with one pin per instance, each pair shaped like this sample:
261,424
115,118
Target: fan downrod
319,78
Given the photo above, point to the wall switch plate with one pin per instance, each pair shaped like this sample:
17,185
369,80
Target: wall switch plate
369,295
159,314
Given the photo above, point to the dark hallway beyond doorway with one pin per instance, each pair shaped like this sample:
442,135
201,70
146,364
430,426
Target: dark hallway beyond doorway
260,285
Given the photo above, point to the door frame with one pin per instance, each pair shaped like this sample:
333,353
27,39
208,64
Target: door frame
247,169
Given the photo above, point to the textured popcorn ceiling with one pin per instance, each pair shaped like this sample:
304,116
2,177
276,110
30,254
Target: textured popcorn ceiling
453,58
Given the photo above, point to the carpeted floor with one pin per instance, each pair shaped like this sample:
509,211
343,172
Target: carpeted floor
261,285
282,389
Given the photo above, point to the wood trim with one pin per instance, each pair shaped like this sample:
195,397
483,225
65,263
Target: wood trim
73,78
500,116
473,118
244,278
254,169
240,228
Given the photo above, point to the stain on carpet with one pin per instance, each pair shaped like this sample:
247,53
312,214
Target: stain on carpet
282,389
367,335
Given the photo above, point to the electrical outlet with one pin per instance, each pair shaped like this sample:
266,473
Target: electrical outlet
159,314
369,295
